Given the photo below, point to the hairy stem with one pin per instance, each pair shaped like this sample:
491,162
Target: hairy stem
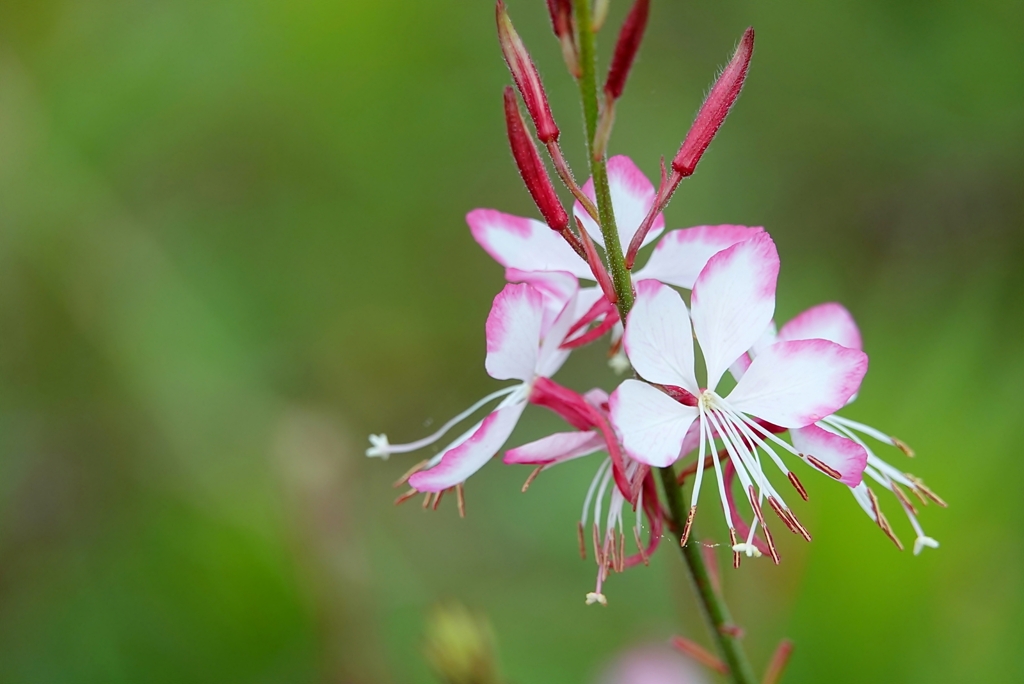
598,163
714,605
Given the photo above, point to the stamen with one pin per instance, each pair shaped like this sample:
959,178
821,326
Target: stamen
427,500
582,539
787,516
597,545
795,481
686,528
460,492
927,492
437,499
382,449
735,553
699,475
902,446
903,498
405,497
823,467
640,546
755,504
883,523
593,487
771,544
531,478
410,472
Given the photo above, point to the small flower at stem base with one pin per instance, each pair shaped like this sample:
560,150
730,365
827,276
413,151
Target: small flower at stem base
630,36
562,23
526,77
531,168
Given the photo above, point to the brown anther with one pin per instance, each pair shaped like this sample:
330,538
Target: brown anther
622,552
409,473
903,498
437,499
919,495
598,556
461,493
428,499
755,505
580,535
686,528
640,547
531,478
700,654
735,554
902,446
781,512
405,497
824,467
927,492
800,529
797,485
883,523
771,543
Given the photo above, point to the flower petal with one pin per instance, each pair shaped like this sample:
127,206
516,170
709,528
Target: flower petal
658,338
632,197
514,328
556,448
558,287
842,455
828,321
799,382
680,255
651,424
458,463
551,355
524,244
733,302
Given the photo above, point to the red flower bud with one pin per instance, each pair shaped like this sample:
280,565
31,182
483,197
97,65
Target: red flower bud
561,17
531,168
715,108
526,77
626,48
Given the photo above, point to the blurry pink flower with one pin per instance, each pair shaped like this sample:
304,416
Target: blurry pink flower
834,442
523,343
790,384
654,664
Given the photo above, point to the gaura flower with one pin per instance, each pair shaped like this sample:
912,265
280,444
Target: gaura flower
524,344
608,542
790,384
835,440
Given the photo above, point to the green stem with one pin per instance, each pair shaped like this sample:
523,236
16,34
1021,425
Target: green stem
715,608
598,163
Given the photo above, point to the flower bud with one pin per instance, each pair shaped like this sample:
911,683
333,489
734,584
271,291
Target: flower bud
524,73
715,108
531,168
626,48
561,17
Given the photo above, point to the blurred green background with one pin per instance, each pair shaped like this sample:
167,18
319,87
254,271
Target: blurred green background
232,245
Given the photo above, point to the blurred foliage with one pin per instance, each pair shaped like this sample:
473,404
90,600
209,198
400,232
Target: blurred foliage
232,245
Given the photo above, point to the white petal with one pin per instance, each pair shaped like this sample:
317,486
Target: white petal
829,321
458,463
658,338
556,448
513,330
551,357
799,382
733,302
842,455
651,424
523,243
680,255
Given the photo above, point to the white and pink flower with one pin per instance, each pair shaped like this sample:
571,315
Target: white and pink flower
790,384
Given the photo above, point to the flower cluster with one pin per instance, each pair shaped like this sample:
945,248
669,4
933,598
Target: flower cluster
756,398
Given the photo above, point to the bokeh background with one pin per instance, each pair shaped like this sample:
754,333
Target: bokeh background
232,245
